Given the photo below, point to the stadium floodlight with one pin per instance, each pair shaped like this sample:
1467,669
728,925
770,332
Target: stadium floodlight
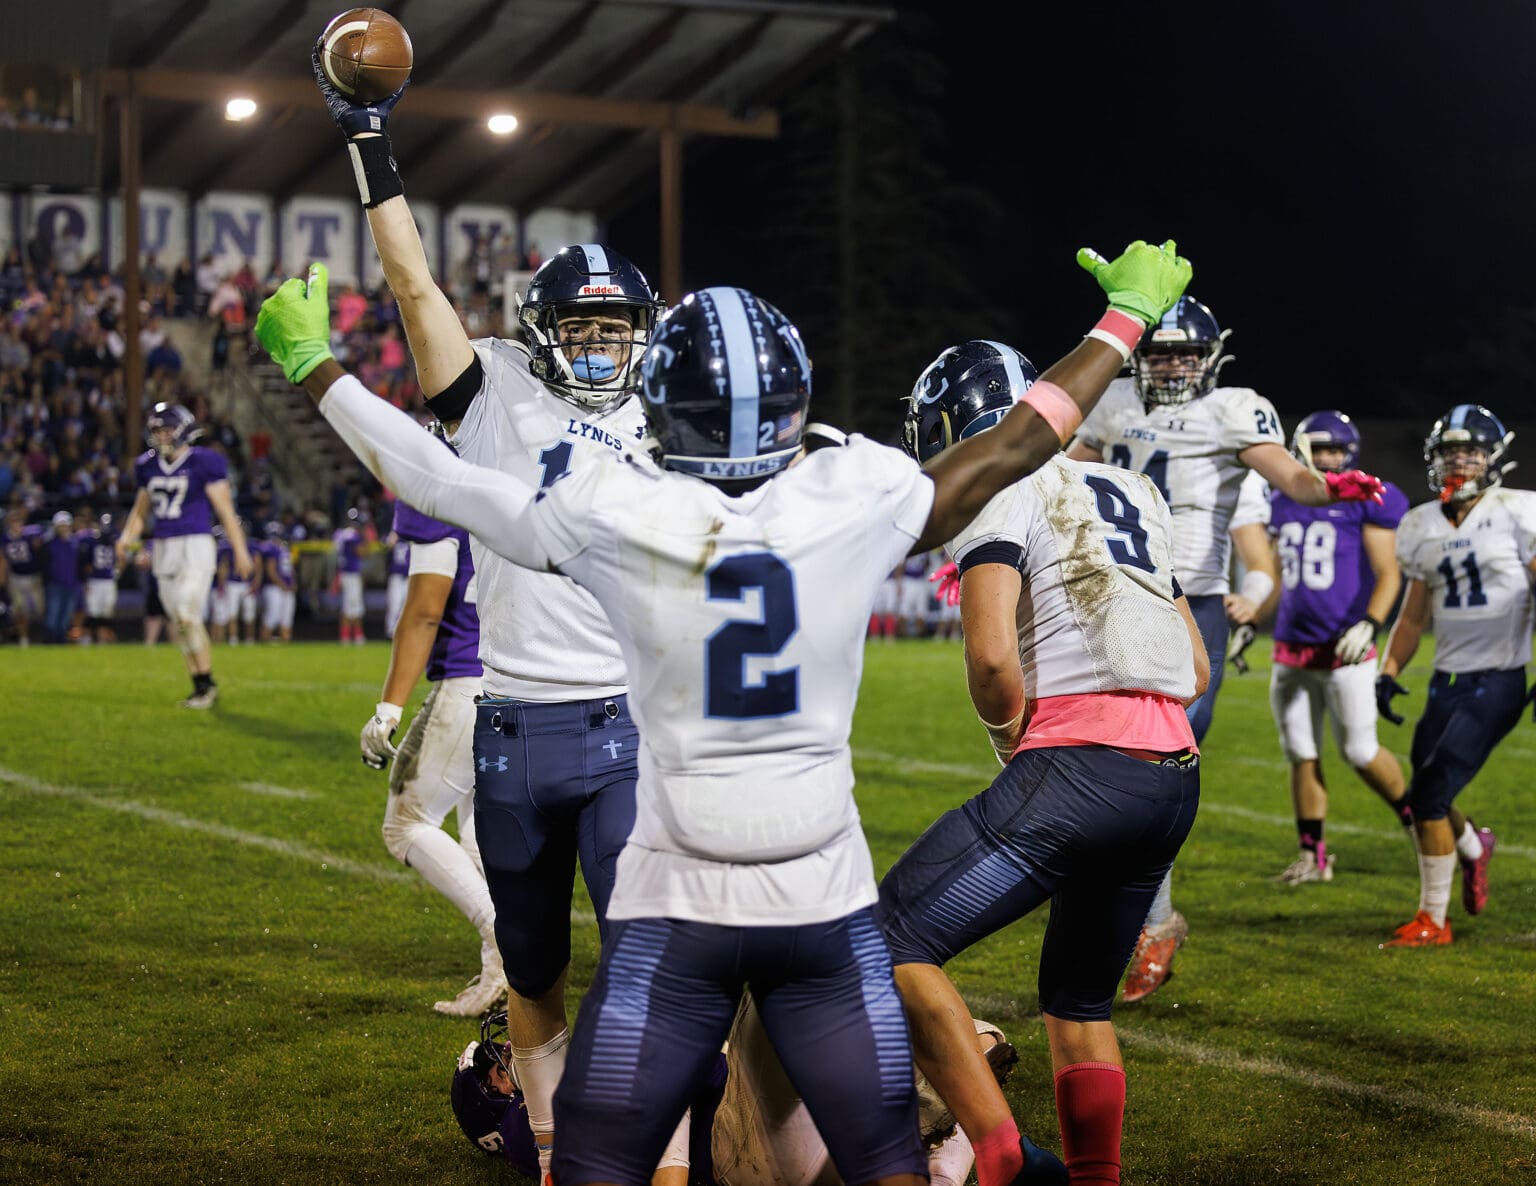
238,109
502,124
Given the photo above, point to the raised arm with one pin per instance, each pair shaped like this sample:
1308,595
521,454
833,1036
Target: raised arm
294,327
1142,284
438,342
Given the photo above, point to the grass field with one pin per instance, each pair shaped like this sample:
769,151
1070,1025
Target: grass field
211,971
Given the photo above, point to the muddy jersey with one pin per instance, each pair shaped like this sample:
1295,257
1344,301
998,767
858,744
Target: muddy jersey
1097,614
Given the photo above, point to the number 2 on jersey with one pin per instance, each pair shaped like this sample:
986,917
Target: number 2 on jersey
727,693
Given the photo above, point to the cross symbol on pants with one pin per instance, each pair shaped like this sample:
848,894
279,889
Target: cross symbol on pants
613,748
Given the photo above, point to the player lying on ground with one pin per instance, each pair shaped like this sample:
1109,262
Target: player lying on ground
753,1128
1081,654
747,868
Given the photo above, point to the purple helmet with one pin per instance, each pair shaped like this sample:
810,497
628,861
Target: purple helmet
496,1123
1327,430
182,426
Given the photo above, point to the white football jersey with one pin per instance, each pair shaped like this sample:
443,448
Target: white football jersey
1097,610
742,624
542,637
1190,452
1478,578
1252,502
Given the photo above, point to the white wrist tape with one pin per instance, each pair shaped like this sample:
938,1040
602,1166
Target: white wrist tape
388,711
1257,586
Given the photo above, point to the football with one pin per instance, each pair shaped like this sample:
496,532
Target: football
366,53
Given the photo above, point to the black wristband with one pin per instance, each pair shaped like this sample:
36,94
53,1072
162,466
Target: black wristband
453,401
1375,625
374,168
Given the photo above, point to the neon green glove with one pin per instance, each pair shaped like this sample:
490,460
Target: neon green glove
1143,282
294,325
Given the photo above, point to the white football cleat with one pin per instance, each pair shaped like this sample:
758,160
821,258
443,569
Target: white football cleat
478,997
1305,869
205,699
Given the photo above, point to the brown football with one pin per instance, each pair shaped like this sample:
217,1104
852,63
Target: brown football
366,54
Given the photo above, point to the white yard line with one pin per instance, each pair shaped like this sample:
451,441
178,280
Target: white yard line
1404,1098
274,792
1208,806
287,848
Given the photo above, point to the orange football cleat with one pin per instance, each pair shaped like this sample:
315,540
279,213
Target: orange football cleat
1152,961
1422,931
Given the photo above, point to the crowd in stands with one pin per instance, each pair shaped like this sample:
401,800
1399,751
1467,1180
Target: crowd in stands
63,450
31,113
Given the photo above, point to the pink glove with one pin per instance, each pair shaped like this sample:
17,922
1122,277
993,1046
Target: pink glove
1354,485
948,579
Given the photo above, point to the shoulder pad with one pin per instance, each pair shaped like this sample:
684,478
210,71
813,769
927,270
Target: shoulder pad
822,436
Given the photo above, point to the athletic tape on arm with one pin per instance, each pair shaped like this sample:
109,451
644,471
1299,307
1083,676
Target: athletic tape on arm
1055,407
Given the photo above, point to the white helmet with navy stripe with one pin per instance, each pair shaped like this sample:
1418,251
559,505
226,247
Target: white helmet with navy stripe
588,314
726,383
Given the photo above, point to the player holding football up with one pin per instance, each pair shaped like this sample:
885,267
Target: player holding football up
1082,655
1196,441
184,485
747,868
555,745
1339,580
1469,557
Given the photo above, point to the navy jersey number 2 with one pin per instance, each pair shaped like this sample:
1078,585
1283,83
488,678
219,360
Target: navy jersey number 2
728,692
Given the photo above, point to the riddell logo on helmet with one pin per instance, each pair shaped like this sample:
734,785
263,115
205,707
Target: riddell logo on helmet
601,290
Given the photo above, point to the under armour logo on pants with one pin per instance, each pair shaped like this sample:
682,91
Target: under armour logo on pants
500,765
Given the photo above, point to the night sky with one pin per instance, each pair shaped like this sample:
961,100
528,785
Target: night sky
1355,183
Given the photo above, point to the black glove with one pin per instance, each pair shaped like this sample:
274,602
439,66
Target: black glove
351,117
1242,638
1386,688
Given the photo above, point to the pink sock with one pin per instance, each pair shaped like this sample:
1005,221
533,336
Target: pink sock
998,1157
1090,1107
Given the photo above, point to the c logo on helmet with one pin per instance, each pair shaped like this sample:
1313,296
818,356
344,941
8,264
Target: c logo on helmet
658,356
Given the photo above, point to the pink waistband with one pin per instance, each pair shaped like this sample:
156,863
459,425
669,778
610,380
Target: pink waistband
1145,721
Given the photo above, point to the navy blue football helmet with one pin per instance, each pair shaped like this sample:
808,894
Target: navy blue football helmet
1327,430
965,390
1464,452
169,427
726,384
482,1111
588,281
1180,357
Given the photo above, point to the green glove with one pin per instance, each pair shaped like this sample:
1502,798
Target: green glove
294,324
1144,282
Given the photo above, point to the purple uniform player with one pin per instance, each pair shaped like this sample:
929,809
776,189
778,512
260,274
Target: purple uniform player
277,585
399,577
101,579
184,486
348,542
24,570
1338,580
433,772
